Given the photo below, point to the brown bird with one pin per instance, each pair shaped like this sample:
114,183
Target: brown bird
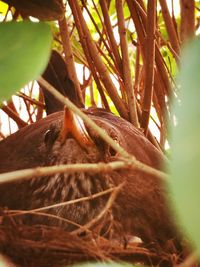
140,208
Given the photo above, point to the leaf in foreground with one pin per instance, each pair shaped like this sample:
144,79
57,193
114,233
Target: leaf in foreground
24,53
185,180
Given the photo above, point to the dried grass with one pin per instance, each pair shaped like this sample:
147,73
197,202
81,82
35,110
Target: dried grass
40,245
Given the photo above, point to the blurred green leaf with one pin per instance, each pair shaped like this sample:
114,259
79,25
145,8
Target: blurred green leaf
185,180
24,53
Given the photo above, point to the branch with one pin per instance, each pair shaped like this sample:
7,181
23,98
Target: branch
149,64
100,66
170,26
88,167
13,115
126,65
111,38
114,191
69,168
69,59
108,205
61,204
87,54
187,19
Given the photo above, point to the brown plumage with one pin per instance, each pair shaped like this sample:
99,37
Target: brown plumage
140,208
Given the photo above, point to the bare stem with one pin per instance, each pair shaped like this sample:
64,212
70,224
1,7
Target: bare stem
149,64
126,64
65,203
64,31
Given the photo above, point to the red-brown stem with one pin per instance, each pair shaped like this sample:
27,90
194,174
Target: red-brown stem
126,65
139,17
13,115
170,27
137,71
64,32
187,19
97,28
111,38
149,64
100,66
90,62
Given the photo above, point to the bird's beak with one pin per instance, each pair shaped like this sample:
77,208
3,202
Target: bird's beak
73,125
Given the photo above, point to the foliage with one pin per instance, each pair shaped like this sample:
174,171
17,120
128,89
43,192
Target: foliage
185,183
25,49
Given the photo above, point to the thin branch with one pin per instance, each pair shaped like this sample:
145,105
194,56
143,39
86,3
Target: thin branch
13,115
187,19
100,66
87,53
96,26
149,64
170,27
69,168
40,110
65,203
64,31
16,213
31,100
114,190
113,46
139,17
111,38
99,86
137,71
104,211
126,64
162,84
72,168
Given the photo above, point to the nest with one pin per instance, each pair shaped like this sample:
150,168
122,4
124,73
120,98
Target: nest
49,246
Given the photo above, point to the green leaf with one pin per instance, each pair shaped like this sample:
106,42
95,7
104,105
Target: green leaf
24,53
185,180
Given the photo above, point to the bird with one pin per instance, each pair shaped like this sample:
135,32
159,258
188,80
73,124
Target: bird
140,208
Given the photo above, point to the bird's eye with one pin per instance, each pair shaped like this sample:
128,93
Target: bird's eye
50,137
47,136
